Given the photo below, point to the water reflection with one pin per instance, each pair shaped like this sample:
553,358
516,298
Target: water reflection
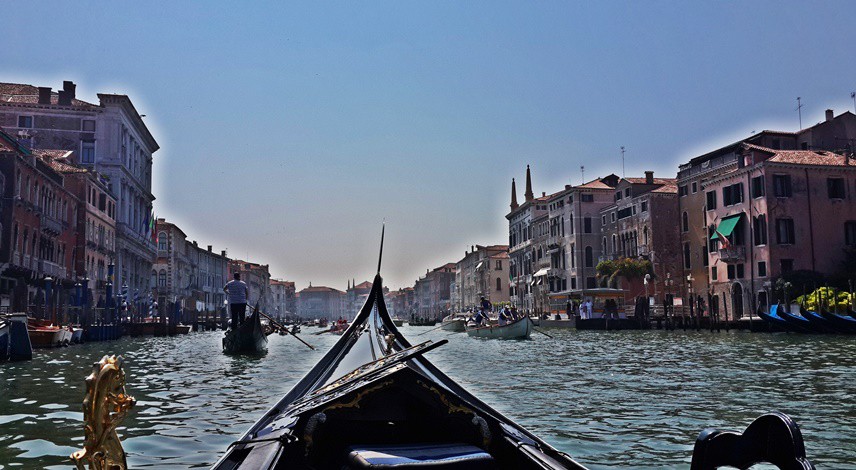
610,399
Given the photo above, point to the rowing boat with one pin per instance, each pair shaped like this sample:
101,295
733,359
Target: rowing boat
375,401
248,338
454,323
518,329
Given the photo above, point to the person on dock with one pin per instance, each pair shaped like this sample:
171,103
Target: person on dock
238,293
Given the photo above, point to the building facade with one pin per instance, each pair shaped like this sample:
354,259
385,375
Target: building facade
432,292
257,277
110,138
39,233
778,211
321,302
640,224
284,298
482,272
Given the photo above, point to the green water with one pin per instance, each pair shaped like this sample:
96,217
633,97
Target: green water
610,399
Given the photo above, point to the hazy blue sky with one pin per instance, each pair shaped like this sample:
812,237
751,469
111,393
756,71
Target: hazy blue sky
289,131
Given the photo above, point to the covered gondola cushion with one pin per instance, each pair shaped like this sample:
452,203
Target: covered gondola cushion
451,456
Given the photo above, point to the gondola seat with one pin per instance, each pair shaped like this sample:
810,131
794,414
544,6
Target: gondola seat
439,456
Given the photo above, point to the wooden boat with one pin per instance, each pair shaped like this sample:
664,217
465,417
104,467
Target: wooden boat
519,329
76,335
454,323
774,320
397,321
5,339
799,322
44,334
374,401
248,338
843,323
820,323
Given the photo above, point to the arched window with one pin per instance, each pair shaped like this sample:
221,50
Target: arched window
162,278
499,284
154,277
162,241
685,222
589,257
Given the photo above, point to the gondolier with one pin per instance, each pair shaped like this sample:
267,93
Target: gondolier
237,290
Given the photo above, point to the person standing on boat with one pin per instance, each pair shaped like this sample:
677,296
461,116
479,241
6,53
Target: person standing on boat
486,306
237,290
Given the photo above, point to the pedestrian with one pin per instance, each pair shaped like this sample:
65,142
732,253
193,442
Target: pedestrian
238,292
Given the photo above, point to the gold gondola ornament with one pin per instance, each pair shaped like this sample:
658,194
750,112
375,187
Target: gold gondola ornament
104,407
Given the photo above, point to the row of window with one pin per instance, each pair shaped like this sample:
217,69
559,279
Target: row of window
782,188
26,122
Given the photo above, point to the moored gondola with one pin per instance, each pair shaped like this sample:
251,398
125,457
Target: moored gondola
374,401
844,323
248,338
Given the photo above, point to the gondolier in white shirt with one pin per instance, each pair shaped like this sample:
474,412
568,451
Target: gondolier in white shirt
237,291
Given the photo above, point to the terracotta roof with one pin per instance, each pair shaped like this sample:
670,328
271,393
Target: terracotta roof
595,184
57,159
804,157
28,94
362,285
321,289
664,181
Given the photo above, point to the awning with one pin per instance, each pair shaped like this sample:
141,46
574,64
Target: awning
726,226
542,272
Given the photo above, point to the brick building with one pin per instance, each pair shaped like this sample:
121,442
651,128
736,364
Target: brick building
110,138
38,227
640,224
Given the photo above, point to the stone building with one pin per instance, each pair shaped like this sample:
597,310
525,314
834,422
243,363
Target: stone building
283,296
554,242
773,212
432,292
110,138
257,277
400,303
640,224
321,302
355,296
39,230
835,133
483,271
95,224
210,271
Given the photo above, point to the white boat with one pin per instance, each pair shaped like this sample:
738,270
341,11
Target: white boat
520,329
454,323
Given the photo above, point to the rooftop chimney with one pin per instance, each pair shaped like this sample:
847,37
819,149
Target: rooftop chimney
66,94
543,194
223,253
210,248
529,195
649,177
514,204
44,95
829,115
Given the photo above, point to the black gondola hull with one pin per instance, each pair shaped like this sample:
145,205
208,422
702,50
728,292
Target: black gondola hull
249,338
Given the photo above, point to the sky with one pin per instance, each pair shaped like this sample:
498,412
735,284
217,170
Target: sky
290,131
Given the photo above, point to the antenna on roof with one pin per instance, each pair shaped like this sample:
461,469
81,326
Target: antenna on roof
623,173
799,110
380,256
853,95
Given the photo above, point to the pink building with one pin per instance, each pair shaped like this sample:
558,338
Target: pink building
780,211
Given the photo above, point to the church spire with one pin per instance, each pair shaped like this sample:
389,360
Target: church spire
514,204
529,195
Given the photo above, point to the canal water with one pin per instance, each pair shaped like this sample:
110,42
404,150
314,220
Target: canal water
610,399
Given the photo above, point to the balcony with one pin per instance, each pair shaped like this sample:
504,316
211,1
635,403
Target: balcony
52,269
735,254
50,224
